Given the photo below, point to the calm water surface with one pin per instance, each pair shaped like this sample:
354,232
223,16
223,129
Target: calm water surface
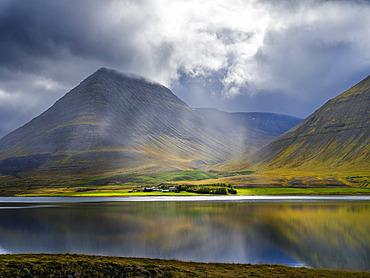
316,232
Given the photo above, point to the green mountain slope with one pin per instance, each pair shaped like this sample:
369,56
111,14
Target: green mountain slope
334,138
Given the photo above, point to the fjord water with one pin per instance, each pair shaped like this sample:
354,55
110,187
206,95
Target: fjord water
319,234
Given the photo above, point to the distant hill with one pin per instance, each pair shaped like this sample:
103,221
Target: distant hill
250,129
336,137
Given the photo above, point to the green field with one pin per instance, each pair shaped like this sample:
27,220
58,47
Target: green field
67,265
304,191
252,191
232,174
244,182
192,175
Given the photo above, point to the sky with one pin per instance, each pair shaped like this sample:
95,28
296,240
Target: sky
287,56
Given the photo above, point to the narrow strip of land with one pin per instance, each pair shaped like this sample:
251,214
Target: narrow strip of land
169,198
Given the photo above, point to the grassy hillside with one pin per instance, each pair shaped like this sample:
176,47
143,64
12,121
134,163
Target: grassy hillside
328,148
42,265
335,137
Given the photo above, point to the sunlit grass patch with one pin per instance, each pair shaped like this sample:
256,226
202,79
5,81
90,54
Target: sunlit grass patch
192,175
303,191
237,173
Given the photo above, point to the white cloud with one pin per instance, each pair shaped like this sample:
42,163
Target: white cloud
258,45
46,84
4,95
194,37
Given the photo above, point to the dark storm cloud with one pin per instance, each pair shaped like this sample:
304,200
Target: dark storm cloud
279,56
34,30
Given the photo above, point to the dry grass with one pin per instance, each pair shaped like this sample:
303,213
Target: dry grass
67,265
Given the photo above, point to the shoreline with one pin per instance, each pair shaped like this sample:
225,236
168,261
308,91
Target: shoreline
196,198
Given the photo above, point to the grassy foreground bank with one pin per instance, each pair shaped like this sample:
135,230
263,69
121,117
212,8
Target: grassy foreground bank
67,265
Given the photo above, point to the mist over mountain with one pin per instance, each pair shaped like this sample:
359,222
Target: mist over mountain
252,129
335,137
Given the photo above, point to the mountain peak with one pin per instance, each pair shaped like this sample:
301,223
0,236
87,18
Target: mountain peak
360,88
111,88
104,72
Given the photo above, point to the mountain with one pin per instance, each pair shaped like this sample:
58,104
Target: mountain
114,121
122,124
249,129
333,138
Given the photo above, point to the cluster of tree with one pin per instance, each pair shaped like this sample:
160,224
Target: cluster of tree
214,188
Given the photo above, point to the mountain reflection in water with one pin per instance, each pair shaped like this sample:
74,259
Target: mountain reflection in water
330,235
